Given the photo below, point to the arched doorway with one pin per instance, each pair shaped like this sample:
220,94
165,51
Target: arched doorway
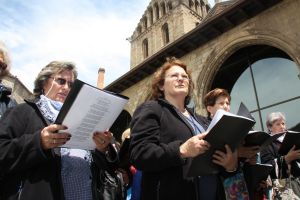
265,79
120,125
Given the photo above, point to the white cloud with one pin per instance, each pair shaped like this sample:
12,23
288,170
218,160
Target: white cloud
90,33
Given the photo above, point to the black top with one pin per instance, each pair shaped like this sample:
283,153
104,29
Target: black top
26,170
157,131
271,156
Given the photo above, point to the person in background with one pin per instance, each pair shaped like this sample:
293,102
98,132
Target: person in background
165,135
219,98
5,100
214,100
4,60
284,165
32,165
134,192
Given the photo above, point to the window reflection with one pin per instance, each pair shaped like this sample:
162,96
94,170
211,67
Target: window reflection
276,80
265,79
278,89
243,91
257,125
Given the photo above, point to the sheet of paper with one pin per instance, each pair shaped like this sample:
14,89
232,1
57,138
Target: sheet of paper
92,110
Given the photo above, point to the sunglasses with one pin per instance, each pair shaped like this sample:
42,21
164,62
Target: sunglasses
62,81
3,65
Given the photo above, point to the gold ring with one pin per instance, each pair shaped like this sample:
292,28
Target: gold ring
102,141
54,141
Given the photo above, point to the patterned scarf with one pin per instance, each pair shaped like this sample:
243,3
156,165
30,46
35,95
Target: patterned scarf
49,108
73,161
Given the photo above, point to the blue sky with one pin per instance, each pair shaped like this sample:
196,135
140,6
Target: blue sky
90,33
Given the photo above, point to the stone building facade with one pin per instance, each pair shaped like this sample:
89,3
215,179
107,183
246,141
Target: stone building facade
19,91
232,47
162,23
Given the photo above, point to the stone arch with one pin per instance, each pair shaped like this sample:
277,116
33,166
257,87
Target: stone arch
145,48
217,58
121,124
165,34
169,5
157,11
163,8
150,13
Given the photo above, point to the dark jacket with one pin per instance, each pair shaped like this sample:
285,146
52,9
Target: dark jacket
270,153
157,131
5,101
27,170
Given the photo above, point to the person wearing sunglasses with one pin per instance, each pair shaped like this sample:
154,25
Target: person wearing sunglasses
6,101
31,164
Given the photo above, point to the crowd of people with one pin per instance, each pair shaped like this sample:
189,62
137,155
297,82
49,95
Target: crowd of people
164,137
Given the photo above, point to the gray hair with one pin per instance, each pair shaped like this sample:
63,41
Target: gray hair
54,67
6,58
274,116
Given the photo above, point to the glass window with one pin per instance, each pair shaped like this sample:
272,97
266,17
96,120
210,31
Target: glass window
257,125
243,91
276,80
291,111
266,80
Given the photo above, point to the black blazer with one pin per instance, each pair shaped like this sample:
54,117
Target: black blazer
25,167
157,131
270,153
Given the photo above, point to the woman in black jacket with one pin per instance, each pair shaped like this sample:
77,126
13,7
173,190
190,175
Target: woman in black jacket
31,165
283,165
165,134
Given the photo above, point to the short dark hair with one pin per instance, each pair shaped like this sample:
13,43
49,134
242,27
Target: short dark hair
212,96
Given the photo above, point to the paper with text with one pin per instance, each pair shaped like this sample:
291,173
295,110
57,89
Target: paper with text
92,110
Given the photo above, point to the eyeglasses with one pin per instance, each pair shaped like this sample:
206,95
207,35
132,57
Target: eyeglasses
62,81
177,76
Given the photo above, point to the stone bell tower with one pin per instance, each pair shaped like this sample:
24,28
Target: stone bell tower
163,22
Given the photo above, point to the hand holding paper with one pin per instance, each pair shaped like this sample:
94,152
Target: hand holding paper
86,110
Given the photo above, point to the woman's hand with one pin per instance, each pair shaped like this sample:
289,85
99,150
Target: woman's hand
228,160
102,140
292,155
194,146
51,139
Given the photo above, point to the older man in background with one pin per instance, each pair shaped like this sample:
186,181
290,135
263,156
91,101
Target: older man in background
5,100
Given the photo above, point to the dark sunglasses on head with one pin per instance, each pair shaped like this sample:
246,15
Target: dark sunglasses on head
62,81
